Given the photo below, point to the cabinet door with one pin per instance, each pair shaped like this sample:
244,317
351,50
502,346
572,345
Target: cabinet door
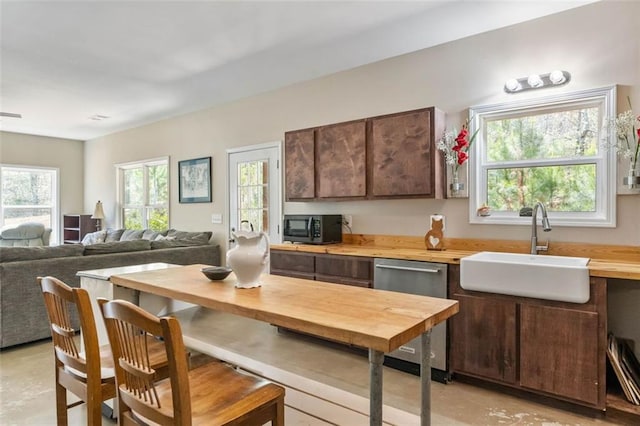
403,154
483,338
292,264
559,352
349,270
341,160
299,159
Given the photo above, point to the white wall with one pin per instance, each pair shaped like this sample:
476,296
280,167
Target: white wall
65,154
599,44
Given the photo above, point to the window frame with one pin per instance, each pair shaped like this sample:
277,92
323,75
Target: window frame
56,218
144,164
605,211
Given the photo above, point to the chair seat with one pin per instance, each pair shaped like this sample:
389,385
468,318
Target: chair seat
220,395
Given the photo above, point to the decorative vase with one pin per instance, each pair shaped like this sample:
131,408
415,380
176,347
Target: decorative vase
632,180
456,186
247,258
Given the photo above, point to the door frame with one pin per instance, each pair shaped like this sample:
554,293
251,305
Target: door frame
279,190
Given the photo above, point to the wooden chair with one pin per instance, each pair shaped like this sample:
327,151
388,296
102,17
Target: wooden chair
88,374
212,394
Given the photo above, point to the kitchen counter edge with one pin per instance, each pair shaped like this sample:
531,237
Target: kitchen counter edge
603,268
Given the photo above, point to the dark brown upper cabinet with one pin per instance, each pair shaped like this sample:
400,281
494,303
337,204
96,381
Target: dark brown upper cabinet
299,155
389,156
341,160
403,158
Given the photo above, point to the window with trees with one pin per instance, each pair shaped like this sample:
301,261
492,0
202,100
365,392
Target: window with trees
29,194
143,194
549,150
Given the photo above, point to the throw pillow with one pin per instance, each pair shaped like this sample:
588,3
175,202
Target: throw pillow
149,234
94,237
131,234
113,235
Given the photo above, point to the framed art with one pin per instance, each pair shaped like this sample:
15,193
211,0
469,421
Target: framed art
194,180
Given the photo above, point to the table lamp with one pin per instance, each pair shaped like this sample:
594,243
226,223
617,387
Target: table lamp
98,213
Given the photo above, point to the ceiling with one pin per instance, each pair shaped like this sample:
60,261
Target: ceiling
65,64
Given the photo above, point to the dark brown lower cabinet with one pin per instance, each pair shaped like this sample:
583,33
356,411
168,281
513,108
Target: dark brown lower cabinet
293,264
553,348
483,338
558,352
348,270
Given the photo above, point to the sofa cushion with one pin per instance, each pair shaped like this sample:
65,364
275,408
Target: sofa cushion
131,234
13,254
113,235
117,247
94,237
171,243
183,235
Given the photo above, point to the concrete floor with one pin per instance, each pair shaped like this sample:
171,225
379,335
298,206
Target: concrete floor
27,390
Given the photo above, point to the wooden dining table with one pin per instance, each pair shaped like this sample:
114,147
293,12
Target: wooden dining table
378,320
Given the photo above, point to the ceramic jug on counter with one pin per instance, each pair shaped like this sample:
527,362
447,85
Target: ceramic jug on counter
247,258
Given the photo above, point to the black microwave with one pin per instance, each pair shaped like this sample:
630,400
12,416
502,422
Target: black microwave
313,229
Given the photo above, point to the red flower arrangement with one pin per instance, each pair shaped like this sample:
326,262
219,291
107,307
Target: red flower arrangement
456,148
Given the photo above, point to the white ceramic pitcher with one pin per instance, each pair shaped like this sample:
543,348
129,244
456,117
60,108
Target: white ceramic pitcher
247,259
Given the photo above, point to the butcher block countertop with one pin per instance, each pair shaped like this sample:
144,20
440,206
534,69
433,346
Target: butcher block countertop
607,261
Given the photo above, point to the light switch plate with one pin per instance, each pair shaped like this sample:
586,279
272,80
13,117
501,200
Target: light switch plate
216,218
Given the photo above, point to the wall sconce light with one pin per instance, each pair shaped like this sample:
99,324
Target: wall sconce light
535,81
98,214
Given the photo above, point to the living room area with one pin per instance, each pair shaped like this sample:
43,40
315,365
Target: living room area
128,135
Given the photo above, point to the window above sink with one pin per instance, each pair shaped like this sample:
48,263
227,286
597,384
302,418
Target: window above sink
546,149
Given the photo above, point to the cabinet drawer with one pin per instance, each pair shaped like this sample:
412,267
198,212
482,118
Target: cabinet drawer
292,262
343,280
355,267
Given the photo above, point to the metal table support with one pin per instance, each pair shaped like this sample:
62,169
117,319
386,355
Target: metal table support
425,379
376,359
375,387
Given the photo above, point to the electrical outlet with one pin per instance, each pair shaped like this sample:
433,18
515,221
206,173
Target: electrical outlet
347,220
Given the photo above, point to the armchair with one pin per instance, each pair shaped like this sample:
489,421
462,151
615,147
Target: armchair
24,235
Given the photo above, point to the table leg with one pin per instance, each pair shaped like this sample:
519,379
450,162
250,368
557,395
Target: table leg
425,379
375,387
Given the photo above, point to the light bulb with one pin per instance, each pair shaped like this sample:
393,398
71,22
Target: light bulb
557,77
512,85
534,80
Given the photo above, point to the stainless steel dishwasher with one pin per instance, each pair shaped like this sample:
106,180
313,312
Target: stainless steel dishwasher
426,279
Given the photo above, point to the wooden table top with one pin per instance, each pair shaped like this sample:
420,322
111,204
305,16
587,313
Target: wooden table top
377,319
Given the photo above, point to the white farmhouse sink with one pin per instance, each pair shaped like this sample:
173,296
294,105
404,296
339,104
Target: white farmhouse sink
528,275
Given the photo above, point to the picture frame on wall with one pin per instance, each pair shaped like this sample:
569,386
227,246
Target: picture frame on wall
194,180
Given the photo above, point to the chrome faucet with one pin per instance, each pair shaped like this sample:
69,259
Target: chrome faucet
546,227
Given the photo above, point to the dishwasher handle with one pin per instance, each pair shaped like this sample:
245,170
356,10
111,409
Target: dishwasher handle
407,268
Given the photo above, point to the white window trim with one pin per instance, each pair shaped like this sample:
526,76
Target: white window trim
605,214
120,167
56,217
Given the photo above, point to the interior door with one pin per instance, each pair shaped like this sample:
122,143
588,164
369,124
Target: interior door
255,190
